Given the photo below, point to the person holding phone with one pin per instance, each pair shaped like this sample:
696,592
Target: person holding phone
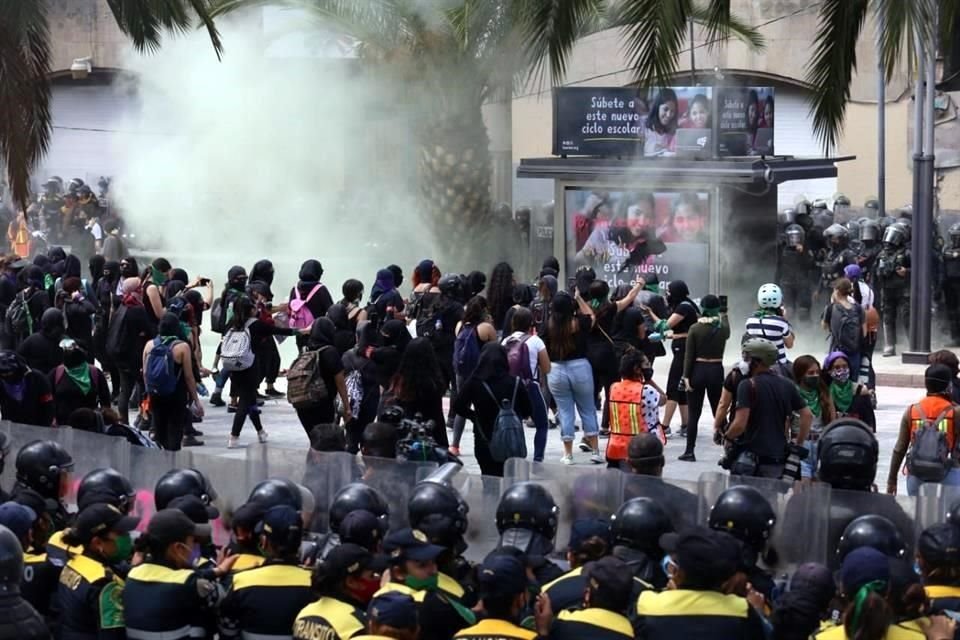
703,364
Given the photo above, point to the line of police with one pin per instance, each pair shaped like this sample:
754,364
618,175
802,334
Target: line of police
630,574
817,243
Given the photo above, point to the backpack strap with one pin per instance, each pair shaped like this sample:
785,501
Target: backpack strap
513,400
490,393
310,295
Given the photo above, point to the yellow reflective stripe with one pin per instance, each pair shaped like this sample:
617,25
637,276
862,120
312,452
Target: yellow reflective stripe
396,587
942,591
149,572
569,574
692,603
274,575
490,628
88,568
599,618
449,585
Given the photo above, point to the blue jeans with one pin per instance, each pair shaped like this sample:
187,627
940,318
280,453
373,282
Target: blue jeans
538,408
806,466
952,480
571,385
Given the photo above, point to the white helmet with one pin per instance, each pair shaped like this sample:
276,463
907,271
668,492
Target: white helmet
769,296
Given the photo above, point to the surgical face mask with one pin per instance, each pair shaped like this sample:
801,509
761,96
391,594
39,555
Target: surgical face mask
123,549
840,375
422,584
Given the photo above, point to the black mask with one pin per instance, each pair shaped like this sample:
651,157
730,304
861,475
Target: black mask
73,358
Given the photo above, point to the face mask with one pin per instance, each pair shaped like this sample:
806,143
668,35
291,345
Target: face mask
840,375
422,584
368,587
811,382
123,548
196,552
73,358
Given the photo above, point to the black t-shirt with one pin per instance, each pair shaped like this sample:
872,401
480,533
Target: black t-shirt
41,352
79,314
319,303
690,314
474,401
133,329
771,399
68,397
581,341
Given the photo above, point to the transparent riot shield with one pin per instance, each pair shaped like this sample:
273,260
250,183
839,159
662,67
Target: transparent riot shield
934,501
679,498
712,484
482,494
395,480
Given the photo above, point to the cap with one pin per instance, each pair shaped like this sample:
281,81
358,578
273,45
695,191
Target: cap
501,575
703,553
645,447
862,566
939,545
279,522
609,578
22,263
394,609
853,271
410,544
98,519
173,525
17,517
248,515
812,576
586,528
361,527
195,508
349,559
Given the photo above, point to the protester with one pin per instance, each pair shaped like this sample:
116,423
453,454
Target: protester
532,372
418,388
499,295
850,398
474,331
703,365
25,394
321,339
42,349
816,395
164,357
77,384
628,408
130,330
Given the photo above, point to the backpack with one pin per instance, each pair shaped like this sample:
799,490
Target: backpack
117,335
518,358
930,457
845,326
19,319
354,384
221,311
507,440
160,374
236,350
300,316
305,384
466,351
427,315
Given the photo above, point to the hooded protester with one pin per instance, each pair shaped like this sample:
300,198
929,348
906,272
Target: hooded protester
310,289
262,276
386,303
42,350
77,384
25,395
78,311
96,264
104,299
130,329
352,296
480,401
34,294
362,387
344,337
128,269
322,337
394,337
262,272
222,313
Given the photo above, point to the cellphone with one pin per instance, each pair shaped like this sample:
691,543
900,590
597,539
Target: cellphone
204,282
571,286
723,303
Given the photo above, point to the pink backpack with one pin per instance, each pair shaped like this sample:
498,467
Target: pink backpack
300,315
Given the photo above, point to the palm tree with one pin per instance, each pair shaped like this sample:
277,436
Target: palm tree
463,53
25,121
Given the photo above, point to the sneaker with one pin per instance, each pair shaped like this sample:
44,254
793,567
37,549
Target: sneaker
604,433
232,408
586,448
454,451
273,393
889,352
552,423
683,431
568,460
262,436
687,456
596,458
233,442
191,441
216,400
194,432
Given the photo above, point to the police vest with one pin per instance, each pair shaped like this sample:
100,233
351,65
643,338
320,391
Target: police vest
943,598
696,615
441,615
626,417
39,581
450,586
263,603
596,624
491,629
566,592
907,630
89,598
247,561
329,619
59,552
160,602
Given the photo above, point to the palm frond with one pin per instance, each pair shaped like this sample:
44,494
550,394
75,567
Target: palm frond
549,29
144,21
654,32
721,25
25,120
834,60
903,24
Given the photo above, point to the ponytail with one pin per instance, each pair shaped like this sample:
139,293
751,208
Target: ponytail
591,549
868,616
71,538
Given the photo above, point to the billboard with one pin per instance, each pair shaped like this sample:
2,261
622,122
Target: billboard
745,126
624,235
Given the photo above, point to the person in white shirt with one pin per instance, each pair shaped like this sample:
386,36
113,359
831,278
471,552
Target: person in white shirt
536,367
862,293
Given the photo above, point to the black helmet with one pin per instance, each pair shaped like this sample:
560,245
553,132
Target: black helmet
895,234
106,486
182,482
639,523
39,465
905,212
820,203
743,512
274,492
84,190
885,222
872,203
870,231
847,455
449,284
357,495
871,531
853,228
74,184
836,230
440,512
794,234
805,221
840,200
787,216
802,207
11,562
527,505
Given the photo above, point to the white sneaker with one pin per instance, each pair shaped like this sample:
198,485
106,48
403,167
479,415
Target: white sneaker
233,442
596,458
262,436
567,459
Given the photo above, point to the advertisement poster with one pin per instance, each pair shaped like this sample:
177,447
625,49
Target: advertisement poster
622,121
746,121
628,234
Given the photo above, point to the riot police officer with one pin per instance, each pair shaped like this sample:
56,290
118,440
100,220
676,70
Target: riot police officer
951,282
745,514
869,247
108,486
352,497
635,530
837,255
893,280
17,618
527,519
181,482
43,468
50,203
39,578
841,206
874,531
274,492
243,542
822,216
795,264
440,512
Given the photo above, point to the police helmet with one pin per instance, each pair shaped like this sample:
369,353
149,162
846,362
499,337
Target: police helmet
760,349
40,464
769,296
744,513
449,284
639,523
871,203
274,492
802,207
870,231
787,216
885,222
847,455
805,221
895,235
905,212
440,512
85,191
794,234
853,229
820,203
107,486
11,562
836,231
357,495
528,505
52,185
75,184
182,482
822,218
871,531
840,200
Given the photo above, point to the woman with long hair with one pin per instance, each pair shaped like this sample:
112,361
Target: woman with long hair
846,321
661,125
418,387
571,378
816,395
476,319
532,373
850,398
500,294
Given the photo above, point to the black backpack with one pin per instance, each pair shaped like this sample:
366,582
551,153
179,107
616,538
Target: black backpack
20,322
428,312
845,326
930,458
117,336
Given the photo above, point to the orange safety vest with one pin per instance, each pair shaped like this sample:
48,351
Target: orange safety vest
626,417
931,407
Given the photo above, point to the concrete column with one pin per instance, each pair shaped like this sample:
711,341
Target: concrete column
499,118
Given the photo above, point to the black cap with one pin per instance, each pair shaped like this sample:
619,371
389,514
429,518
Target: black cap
361,527
502,575
586,528
410,544
98,519
609,578
279,523
395,610
939,545
195,508
248,515
172,525
18,518
704,554
347,560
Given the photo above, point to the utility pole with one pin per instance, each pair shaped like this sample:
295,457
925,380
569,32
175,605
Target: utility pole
881,124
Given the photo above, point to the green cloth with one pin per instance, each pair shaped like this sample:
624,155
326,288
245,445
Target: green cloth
842,395
763,313
711,312
811,399
80,375
157,277
48,281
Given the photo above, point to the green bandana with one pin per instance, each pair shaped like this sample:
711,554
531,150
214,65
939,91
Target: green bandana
712,313
842,395
811,399
653,287
157,277
80,375
877,586
763,313
48,281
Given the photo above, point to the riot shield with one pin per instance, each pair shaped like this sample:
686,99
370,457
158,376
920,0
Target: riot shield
679,498
933,503
482,494
395,480
712,484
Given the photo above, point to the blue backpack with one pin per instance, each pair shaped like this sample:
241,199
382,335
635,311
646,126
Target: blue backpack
161,373
466,351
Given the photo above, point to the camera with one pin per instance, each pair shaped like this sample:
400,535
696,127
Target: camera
415,441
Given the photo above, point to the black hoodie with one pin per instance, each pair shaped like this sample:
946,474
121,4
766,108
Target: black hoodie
42,350
262,272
